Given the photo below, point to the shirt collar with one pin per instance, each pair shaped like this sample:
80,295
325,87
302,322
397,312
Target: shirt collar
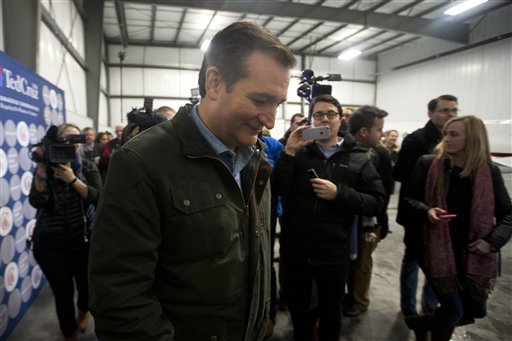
239,159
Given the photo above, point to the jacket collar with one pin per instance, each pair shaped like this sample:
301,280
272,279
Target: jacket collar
256,172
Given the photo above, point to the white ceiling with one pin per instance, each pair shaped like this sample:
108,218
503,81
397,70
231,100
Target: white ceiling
311,27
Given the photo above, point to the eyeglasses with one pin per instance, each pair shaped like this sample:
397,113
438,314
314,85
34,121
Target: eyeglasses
319,115
448,110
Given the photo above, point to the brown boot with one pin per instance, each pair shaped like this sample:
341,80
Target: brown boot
441,331
82,320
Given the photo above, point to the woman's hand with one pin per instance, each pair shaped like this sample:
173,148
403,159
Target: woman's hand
64,172
480,247
436,215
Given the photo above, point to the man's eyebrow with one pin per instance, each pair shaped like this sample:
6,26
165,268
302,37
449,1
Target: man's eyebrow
266,97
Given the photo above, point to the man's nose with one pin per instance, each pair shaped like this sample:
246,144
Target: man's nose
268,118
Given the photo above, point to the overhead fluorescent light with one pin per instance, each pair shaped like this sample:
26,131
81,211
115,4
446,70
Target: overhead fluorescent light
463,6
349,54
205,44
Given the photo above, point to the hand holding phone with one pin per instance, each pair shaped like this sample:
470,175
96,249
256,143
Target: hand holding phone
447,216
312,173
316,133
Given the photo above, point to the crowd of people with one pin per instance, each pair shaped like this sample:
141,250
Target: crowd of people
171,236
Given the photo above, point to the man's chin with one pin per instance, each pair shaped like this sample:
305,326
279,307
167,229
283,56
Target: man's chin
250,140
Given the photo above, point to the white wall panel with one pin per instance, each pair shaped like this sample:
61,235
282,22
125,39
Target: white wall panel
161,56
353,93
480,78
133,82
69,21
133,54
58,67
191,58
174,57
103,77
358,69
103,110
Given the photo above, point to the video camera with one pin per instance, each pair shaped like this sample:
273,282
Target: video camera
143,118
56,149
310,88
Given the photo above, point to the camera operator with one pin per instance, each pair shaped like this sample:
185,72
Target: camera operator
64,195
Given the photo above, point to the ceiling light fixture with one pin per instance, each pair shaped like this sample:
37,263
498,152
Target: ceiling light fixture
463,6
205,44
349,54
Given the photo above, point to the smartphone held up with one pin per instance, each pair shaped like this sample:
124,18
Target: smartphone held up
316,133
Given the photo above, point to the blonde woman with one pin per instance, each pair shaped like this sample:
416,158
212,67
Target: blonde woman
460,195
389,141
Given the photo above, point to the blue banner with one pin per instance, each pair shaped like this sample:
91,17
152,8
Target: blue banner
28,106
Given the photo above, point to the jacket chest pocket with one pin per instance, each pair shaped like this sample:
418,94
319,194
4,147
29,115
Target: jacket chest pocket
204,221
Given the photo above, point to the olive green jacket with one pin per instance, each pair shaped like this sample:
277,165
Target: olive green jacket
179,250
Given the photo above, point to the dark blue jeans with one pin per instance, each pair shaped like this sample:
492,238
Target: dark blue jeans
64,269
409,277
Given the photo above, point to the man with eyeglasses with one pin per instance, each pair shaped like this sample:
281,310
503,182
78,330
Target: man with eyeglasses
318,211
416,144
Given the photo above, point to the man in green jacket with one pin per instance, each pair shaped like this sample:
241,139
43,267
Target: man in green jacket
180,249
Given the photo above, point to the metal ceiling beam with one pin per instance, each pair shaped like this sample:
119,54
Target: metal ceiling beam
340,41
407,6
152,25
447,30
290,25
180,25
305,33
377,6
327,35
121,21
199,41
396,45
369,48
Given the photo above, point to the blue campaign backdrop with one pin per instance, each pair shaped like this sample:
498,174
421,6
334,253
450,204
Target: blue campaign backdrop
29,104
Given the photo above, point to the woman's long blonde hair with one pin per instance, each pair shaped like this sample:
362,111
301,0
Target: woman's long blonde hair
477,144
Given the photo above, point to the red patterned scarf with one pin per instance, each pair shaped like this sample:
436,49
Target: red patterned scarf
439,260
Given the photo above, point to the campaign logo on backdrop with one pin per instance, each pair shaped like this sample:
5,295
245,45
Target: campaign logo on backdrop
29,104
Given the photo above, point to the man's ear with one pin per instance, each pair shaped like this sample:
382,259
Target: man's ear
363,132
213,82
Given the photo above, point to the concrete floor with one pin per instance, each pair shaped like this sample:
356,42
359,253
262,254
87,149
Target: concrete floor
382,321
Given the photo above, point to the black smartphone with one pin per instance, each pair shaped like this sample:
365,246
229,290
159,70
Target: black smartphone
312,173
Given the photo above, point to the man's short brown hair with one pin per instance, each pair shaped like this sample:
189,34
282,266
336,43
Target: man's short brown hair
230,48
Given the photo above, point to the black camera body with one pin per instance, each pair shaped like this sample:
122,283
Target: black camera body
310,88
143,118
57,149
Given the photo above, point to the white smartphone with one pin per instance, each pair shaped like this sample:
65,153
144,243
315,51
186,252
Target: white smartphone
316,133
